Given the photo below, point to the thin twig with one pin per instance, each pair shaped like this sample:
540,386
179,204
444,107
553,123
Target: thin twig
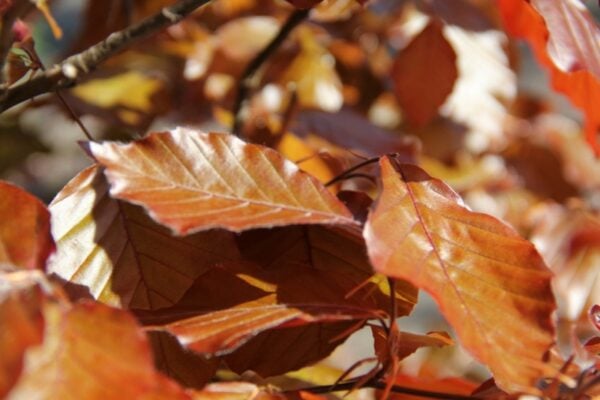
293,20
351,170
71,70
377,384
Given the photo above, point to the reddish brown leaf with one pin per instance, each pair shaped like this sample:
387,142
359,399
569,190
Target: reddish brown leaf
118,253
457,386
91,351
403,344
424,74
186,367
25,240
491,285
22,323
303,4
564,38
595,316
224,331
192,181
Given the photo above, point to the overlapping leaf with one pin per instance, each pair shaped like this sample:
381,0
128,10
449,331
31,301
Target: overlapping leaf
91,351
564,38
192,181
490,284
119,254
22,323
25,240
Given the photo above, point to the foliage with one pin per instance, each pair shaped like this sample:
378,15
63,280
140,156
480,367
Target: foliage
366,151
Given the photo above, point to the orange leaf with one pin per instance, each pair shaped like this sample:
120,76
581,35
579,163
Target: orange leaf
25,240
91,351
237,391
424,74
490,284
222,332
22,323
564,38
192,181
118,253
404,344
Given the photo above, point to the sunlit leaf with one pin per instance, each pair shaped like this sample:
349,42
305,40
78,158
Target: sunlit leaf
91,351
569,240
22,323
456,386
403,344
192,181
424,74
564,38
119,254
491,285
221,332
314,76
25,240
242,38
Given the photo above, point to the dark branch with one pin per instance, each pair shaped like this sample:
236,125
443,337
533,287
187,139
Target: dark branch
67,73
350,384
244,83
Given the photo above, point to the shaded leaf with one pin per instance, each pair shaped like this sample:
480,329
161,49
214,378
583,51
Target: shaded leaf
564,38
192,181
424,74
25,240
491,285
179,363
304,3
118,253
22,323
91,351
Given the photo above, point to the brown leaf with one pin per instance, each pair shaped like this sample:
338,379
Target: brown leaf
405,343
22,323
304,3
25,240
91,351
118,253
424,74
175,361
564,38
192,181
339,254
491,285
222,332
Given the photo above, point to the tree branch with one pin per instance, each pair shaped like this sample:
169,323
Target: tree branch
244,83
377,384
71,70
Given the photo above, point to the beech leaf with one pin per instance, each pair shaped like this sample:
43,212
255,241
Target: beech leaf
25,240
564,38
119,254
22,323
192,181
490,284
91,351
424,74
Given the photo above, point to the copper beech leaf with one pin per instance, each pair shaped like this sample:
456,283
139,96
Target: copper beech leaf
424,74
564,38
91,351
120,255
191,181
222,332
25,240
22,323
490,284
